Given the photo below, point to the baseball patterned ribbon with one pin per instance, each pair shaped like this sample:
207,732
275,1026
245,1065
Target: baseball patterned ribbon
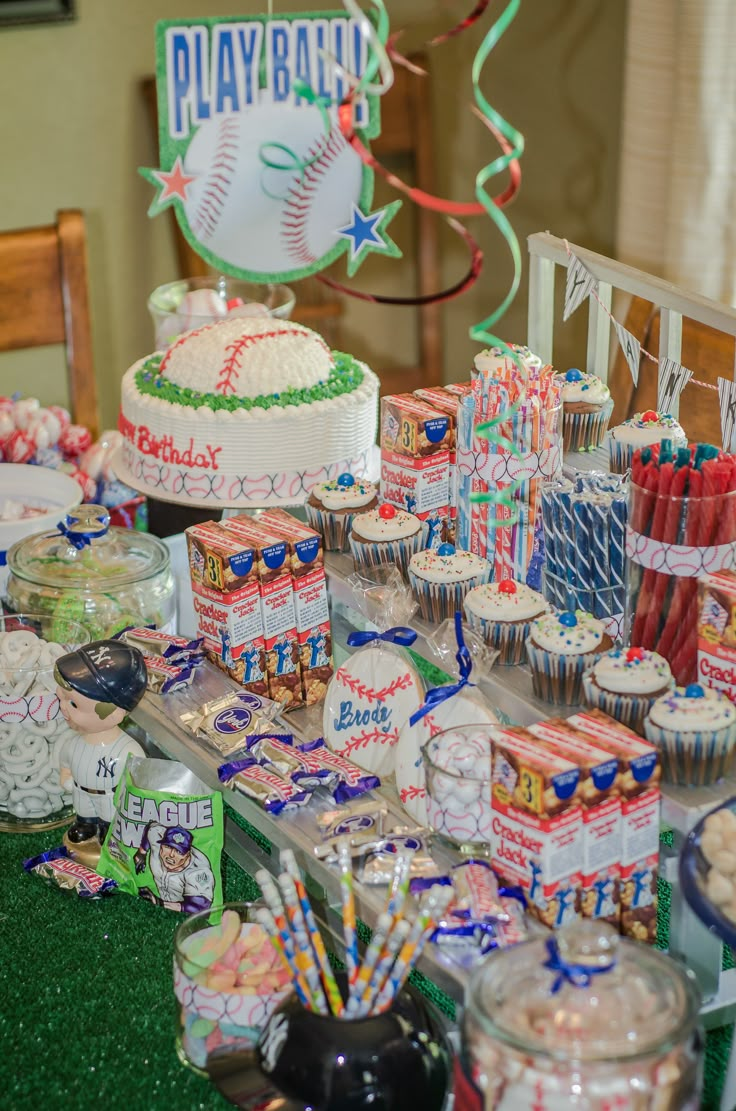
400,634
516,467
681,560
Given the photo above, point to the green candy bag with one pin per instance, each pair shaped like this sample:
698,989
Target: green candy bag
166,836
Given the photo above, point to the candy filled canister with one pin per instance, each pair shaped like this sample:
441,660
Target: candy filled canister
84,570
581,1019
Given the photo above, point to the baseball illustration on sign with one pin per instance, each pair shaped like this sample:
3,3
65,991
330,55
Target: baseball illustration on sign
263,182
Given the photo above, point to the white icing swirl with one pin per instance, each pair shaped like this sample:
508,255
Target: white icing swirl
458,567
640,433
490,603
497,362
550,634
334,496
632,671
372,526
588,390
679,711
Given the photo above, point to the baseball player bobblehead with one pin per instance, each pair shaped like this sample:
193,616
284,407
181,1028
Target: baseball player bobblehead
182,874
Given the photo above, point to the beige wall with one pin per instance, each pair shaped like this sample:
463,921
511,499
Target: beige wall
73,131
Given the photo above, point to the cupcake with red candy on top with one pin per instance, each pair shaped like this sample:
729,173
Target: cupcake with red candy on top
386,535
331,507
641,430
441,578
503,612
625,683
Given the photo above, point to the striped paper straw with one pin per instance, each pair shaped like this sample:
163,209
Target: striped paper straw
304,954
347,896
399,888
422,928
276,907
361,986
288,862
266,919
395,941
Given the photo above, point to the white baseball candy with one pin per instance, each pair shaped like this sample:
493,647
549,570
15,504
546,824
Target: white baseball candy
467,790
443,786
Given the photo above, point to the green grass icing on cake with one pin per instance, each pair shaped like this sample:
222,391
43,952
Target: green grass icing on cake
345,377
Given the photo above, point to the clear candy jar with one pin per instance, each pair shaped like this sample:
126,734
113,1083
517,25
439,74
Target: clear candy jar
105,578
582,1019
32,729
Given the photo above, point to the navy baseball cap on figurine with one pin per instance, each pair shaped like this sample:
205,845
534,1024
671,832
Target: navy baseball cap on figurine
106,670
178,838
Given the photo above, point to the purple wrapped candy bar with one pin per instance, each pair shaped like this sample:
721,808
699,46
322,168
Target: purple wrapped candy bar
351,780
57,868
272,791
165,678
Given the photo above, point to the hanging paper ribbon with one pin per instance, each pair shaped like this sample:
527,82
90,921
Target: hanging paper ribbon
579,285
673,377
400,634
578,975
631,348
438,695
727,404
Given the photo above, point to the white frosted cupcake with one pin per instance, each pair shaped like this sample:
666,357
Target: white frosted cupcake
496,363
694,729
586,409
641,430
331,507
386,535
560,648
441,578
626,682
503,612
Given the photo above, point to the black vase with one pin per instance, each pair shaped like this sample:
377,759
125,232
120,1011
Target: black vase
389,1062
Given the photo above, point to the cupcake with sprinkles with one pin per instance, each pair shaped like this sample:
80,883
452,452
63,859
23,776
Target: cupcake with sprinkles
586,409
625,683
641,430
331,507
386,535
694,729
440,578
503,613
560,648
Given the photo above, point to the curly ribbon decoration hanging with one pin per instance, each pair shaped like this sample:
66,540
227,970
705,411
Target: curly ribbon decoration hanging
482,332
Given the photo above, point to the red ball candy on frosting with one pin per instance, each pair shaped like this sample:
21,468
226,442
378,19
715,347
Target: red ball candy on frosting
507,586
387,512
650,417
635,654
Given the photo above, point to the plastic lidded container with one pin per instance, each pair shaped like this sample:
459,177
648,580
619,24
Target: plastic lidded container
105,578
583,1019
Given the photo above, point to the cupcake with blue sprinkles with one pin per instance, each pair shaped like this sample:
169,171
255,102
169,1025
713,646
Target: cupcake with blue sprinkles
560,648
586,409
386,535
625,683
641,430
694,729
503,612
440,578
331,507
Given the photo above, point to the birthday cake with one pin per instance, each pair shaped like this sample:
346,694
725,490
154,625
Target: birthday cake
246,411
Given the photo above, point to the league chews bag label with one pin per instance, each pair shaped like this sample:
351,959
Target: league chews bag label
166,836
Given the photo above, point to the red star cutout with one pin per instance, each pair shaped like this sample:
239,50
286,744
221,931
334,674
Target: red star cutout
174,181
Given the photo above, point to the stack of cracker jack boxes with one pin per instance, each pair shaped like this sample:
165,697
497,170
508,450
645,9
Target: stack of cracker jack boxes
417,441
284,648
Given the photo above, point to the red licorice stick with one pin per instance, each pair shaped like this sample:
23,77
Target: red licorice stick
649,522
673,509
674,615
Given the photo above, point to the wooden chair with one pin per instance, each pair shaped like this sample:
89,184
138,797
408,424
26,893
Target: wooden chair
44,300
406,146
709,354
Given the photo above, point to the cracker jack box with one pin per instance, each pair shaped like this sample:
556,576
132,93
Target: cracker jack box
638,784
601,804
415,459
310,601
165,840
537,825
445,401
216,560
276,587
717,632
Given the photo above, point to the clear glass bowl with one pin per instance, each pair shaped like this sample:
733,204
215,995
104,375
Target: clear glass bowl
32,730
171,317
457,769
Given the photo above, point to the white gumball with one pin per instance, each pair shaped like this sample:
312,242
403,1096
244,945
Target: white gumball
468,791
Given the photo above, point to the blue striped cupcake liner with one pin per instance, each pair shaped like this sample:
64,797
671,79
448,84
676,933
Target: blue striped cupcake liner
627,709
558,678
619,455
508,637
585,431
440,601
334,528
370,553
694,759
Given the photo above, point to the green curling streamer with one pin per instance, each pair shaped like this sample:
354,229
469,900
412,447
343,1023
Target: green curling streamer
490,430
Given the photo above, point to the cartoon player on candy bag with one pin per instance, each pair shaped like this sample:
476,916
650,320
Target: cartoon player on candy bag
183,874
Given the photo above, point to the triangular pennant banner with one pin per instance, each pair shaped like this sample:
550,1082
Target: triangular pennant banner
727,405
673,377
579,286
631,348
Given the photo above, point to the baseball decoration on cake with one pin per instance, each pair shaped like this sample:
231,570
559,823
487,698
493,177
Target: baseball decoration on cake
369,700
263,182
245,411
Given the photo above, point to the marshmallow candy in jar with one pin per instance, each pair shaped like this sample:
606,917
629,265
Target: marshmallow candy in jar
32,729
106,578
582,1019
457,773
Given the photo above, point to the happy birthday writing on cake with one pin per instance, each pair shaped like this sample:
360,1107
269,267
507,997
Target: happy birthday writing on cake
162,447
212,71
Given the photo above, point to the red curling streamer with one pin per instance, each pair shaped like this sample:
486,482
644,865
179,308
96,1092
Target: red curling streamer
463,25
470,278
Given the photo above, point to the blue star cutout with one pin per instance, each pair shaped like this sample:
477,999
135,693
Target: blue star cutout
366,232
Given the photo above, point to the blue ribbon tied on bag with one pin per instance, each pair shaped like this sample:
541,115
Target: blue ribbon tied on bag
578,975
438,695
79,540
400,635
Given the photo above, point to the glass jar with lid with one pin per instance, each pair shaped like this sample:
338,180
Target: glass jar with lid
104,577
585,1020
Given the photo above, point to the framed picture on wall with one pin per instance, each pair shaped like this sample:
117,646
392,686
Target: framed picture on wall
16,12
